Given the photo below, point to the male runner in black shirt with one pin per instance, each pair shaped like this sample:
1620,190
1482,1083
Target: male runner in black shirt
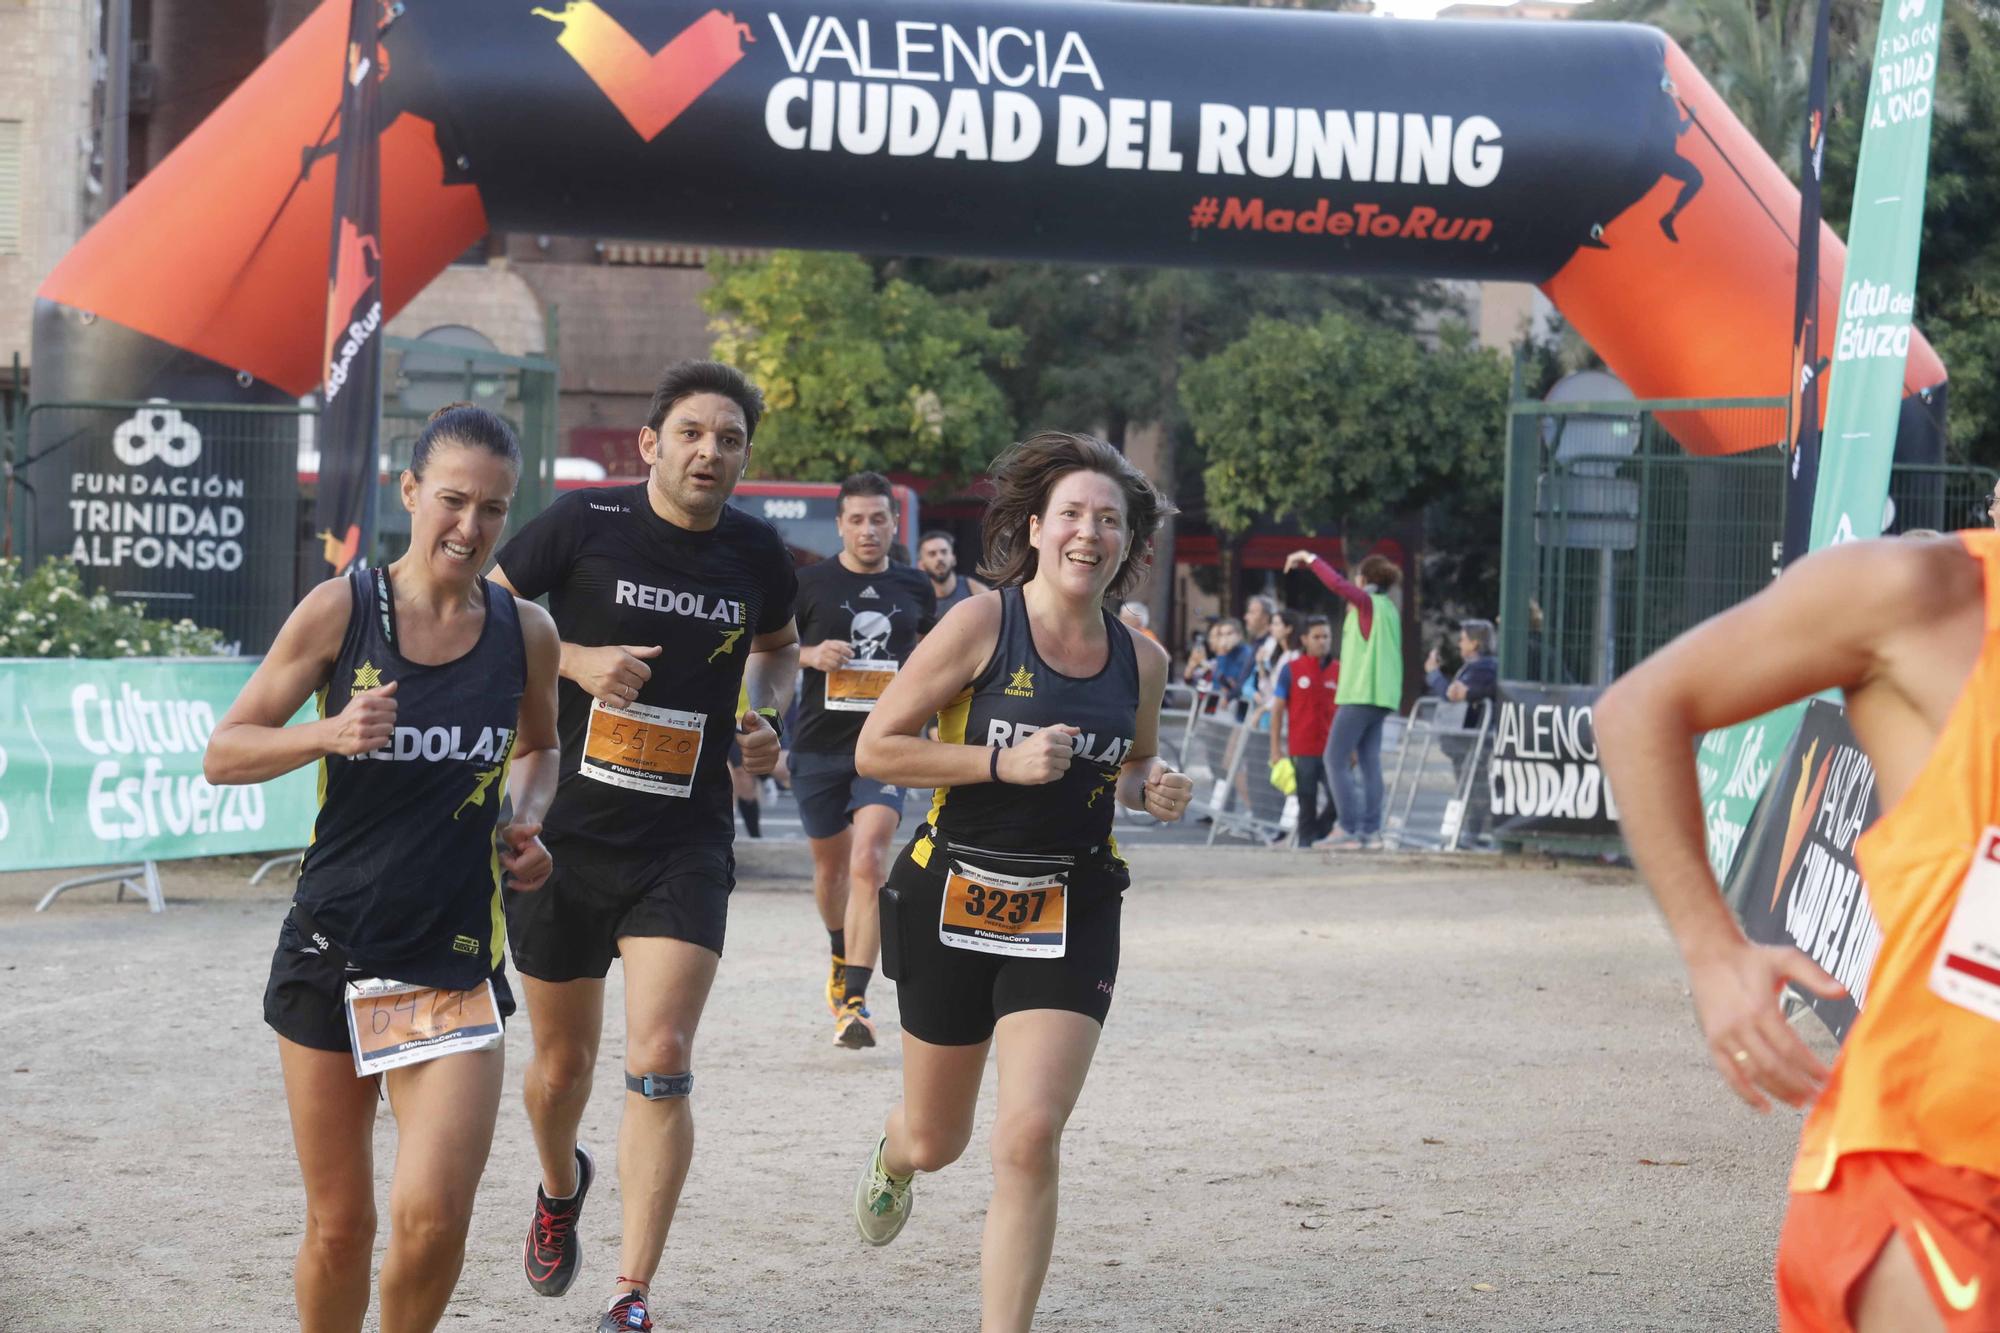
859,616
668,602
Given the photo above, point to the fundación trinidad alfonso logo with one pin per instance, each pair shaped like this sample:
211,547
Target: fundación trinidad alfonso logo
156,432
649,89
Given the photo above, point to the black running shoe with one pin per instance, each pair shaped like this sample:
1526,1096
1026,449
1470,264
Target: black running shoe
553,1252
626,1315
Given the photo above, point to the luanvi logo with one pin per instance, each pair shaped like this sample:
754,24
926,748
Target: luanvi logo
649,90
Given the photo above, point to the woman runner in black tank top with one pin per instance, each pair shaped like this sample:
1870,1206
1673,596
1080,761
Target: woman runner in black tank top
1000,919
436,696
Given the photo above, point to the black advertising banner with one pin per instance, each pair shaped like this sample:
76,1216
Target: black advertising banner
1544,778
1025,129
1797,882
350,422
1803,481
179,508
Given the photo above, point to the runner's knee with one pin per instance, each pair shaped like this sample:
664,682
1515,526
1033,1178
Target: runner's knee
668,1051
341,1235
932,1148
432,1224
564,1068
1027,1142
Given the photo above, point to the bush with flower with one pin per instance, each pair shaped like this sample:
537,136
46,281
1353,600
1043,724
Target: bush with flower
45,612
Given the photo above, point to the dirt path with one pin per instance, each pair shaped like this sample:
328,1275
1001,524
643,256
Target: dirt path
1434,1096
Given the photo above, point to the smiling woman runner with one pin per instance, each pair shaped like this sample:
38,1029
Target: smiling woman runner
1000,919
434,685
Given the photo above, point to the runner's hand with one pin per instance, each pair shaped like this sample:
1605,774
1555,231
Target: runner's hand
1168,793
1736,998
612,673
367,723
1043,757
829,655
523,857
758,742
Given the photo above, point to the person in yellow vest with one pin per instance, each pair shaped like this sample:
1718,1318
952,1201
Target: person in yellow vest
1371,688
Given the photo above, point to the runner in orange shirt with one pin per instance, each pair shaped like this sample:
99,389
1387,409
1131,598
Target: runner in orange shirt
1894,1224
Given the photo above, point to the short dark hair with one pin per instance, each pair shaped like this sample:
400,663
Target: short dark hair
1381,571
468,425
1314,622
938,535
686,378
1025,474
865,483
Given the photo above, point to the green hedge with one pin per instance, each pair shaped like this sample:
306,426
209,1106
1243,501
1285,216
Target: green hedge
46,613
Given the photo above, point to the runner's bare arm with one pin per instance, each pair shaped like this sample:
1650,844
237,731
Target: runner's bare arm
1146,781
892,747
531,778
252,742
1821,626
611,672
772,672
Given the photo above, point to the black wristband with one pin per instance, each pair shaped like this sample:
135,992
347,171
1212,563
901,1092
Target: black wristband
993,767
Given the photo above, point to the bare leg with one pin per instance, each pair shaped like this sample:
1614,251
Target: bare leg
333,1124
1893,1297
666,985
1044,1055
445,1110
567,1019
930,1127
830,856
874,827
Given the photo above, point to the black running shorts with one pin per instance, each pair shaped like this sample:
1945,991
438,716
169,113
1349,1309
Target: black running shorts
568,929
952,997
305,1000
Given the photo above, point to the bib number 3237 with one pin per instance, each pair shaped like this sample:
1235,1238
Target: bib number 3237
1966,971
1019,916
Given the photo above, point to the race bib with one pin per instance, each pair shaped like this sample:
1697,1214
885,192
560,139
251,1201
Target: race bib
642,748
1966,971
854,688
391,1024
1020,916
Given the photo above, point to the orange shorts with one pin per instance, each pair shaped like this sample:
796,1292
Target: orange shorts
1949,1217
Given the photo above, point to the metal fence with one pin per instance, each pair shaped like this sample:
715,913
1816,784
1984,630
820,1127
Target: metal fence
206,509
1616,540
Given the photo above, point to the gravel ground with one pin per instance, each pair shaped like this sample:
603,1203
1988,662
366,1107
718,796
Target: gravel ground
1382,1094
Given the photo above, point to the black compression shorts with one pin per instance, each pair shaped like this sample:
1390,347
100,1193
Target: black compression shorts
305,1000
953,997
569,928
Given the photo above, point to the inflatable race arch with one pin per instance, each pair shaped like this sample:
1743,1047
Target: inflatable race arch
1589,158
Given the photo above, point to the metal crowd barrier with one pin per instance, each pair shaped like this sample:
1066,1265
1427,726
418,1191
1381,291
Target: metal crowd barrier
1436,800
1226,756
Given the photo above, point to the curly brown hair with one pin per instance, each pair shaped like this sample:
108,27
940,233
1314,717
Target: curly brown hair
1025,474
1381,571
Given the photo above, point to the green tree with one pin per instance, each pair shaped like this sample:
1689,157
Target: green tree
1343,422
860,374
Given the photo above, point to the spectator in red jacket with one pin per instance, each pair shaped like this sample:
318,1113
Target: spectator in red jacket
1301,723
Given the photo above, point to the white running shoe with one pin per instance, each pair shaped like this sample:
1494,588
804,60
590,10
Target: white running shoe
881,1202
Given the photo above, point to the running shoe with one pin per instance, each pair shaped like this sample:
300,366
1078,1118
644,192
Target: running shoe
853,1025
881,1202
553,1252
627,1314
836,985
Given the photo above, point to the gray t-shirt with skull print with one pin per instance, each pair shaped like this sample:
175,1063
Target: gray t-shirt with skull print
881,615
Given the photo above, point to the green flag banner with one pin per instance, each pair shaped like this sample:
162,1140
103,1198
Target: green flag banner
1865,394
100,764
1878,291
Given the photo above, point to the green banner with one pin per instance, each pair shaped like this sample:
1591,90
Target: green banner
100,764
1878,291
1865,394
